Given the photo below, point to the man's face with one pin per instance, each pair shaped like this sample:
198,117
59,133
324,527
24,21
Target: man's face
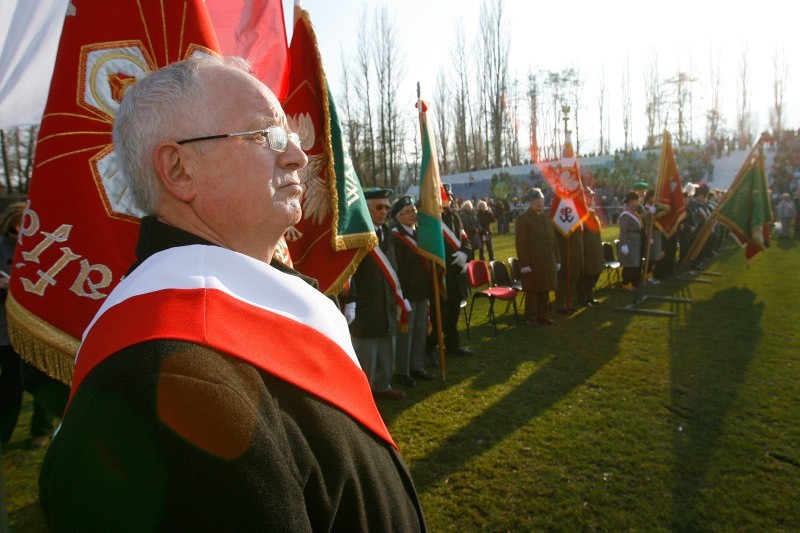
378,210
407,216
246,193
537,205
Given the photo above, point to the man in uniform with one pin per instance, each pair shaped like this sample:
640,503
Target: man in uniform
457,250
417,283
538,255
592,253
217,389
376,294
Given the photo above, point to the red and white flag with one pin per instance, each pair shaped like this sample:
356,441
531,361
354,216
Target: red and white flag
568,209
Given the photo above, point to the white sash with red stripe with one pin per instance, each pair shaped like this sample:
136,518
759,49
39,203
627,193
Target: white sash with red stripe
238,305
391,276
406,239
450,237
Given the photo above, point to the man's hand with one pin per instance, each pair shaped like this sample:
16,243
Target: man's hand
558,267
350,312
460,260
525,270
624,249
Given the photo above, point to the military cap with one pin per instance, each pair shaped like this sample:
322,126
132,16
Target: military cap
377,193
401,203
640,185
534,194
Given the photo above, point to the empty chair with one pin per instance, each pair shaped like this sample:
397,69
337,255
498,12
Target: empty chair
501,277
516,276
477,278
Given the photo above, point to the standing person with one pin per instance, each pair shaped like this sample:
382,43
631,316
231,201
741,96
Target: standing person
485,220
592,253
786,213
630,242
470,221
457,251
15,374
570,250
373,293
217,389
414,274
538,256
656,239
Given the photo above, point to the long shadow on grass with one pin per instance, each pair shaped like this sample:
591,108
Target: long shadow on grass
710,353
569,354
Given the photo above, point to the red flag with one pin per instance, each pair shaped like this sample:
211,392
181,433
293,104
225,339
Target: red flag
669,192
336,231
80,226
568,208
256,31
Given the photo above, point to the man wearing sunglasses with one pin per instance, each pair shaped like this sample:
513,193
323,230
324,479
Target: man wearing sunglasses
217,389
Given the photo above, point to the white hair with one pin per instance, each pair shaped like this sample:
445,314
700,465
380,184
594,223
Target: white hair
156,109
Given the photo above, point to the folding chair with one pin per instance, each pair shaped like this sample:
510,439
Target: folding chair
611,266
516,275
477,278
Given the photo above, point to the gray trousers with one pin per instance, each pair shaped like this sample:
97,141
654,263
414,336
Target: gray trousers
411,345
376,356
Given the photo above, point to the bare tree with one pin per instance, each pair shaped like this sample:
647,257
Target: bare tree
601,108
461,100
626,102
680,88
743,126
654,99
780,75
350,123
388,67
714,114
364,90
576,91
441,99
496,42
533,102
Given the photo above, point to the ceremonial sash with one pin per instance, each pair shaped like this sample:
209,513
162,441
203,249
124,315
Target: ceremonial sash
450,237
391,277
406,239
235,304
633,215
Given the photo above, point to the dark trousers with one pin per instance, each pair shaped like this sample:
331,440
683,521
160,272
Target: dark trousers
13,373
586,285
632,275
451,308
536,304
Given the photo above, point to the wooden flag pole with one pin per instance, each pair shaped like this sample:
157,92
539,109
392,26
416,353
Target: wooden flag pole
438,310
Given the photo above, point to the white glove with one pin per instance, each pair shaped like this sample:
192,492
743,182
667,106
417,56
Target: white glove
350,312
525,270
460,260
558,267
407,305
624,249
651,209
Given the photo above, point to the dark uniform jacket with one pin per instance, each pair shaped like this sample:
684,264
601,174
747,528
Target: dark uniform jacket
415,278
265,455
376,309
536,248
592,245
455,280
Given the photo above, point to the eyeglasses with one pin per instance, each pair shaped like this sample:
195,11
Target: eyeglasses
383,207
276,137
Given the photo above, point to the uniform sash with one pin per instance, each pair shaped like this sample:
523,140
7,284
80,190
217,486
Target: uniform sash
391,277
235,304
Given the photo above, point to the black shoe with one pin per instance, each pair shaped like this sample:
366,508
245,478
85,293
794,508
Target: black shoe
422,374
460,351
408,381
593,301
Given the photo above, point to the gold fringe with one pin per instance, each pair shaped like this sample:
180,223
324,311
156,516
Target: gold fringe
47,348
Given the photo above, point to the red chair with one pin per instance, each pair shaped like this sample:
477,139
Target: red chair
478,278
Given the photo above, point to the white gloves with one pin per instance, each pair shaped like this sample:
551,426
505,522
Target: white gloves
460,260
651,209
350,312
558,267
407,304
525,270
624,249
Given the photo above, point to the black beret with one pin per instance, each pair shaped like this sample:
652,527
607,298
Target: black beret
631,196
401,203
375,194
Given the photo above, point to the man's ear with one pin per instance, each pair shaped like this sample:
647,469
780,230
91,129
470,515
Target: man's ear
175,176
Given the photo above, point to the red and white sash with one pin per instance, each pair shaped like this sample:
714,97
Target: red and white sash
391,276
238,305
450,237
633,214
408,240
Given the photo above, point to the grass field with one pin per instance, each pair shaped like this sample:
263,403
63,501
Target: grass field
606,421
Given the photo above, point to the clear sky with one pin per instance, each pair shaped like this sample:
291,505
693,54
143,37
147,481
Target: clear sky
591,36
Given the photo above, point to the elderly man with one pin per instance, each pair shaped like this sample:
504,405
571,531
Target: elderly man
217,389
538,255
375,297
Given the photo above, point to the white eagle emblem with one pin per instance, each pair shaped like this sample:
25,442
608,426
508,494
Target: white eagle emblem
316,192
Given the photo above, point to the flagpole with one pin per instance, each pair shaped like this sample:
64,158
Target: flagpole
705,230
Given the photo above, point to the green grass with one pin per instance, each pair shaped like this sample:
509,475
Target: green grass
608,420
